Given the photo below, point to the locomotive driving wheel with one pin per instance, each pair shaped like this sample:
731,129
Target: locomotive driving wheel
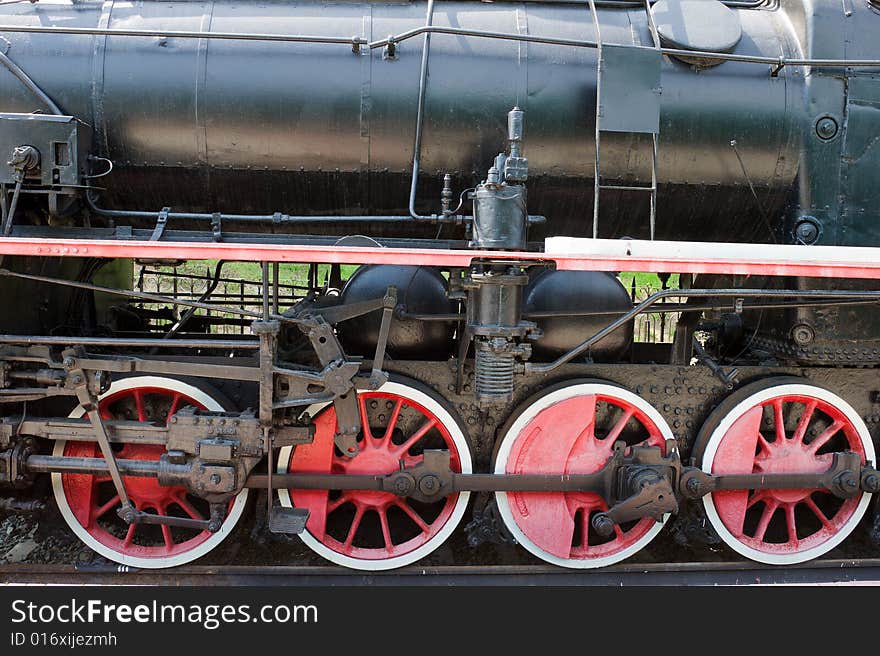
775,426
89,502
373,530
571,429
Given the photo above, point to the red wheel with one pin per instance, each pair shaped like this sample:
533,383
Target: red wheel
572,430
89,503
780,426
378,530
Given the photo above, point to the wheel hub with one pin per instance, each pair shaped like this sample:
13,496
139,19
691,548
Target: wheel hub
789,457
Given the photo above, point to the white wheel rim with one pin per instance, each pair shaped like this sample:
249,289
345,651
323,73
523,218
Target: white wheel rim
430,404
90,541
715,441
510,437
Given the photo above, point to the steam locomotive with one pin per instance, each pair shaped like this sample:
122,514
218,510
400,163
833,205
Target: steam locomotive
438,202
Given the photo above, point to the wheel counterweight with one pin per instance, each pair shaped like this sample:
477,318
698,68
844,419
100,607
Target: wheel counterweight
571,429
781,425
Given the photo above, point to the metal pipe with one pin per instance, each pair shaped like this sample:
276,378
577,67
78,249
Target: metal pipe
265,291
32,340
409,34
184,34
3,208
597,175
10,213
420,112
32,86
70,465
659,308
277,217
275,299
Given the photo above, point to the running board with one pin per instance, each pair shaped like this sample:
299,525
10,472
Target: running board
569,253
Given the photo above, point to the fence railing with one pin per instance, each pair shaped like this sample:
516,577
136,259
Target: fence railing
194,282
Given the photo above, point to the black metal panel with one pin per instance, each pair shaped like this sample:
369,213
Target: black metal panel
226,125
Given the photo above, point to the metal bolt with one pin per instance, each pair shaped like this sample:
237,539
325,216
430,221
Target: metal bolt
802,334
872,483
429,484
693,485
402,486
69,363
826,128
807,232
215,478
603,524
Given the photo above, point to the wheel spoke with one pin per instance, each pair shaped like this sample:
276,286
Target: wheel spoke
139,404
818,512
392,422
355,524
188,509
166,535
822,439
415,437
585,527
619,426
100,512
801,429
175,403
333,505
365,423
792,524
386,530
770,507
755,498
129,535
778,420
413,515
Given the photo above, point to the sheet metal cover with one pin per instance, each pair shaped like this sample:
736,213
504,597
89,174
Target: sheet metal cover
706,25
630,99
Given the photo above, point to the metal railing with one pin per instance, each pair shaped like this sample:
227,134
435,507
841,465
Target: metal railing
202,282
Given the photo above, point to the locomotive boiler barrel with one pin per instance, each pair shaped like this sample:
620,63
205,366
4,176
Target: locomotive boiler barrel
255,126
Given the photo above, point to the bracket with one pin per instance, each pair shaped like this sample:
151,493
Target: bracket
216,227
161,222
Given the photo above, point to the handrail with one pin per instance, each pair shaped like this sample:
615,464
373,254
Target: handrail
433,29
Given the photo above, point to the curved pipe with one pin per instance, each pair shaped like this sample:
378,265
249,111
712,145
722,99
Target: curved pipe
32,86
420,112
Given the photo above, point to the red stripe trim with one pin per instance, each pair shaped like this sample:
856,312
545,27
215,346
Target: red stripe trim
586,255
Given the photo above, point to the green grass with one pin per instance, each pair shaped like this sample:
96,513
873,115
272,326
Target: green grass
647,281
297,274
288,274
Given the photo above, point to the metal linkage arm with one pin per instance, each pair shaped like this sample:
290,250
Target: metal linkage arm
846,478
